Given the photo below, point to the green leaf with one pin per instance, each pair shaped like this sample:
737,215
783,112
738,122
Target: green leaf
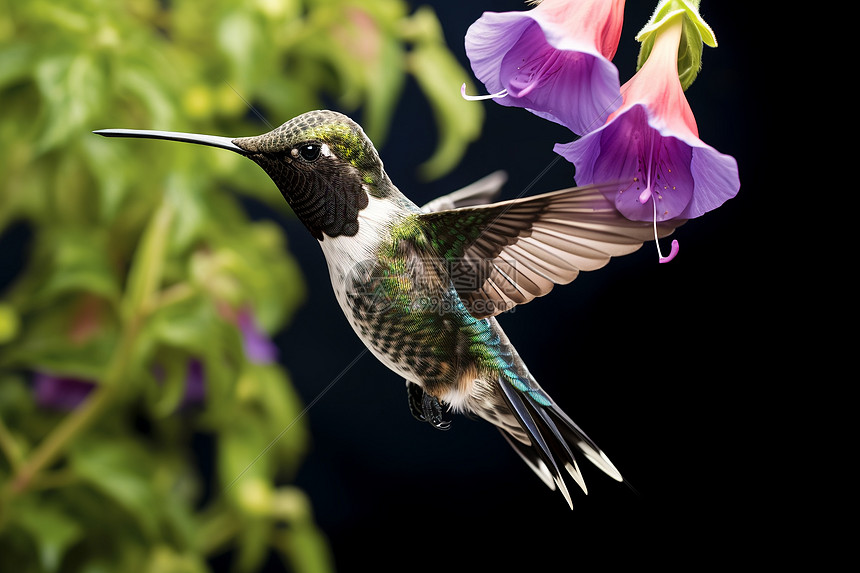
146,270
301,543
72,89
165,559
54,354
267,386
240,38
78,263
16,62
16,405
166,388
10,323
195,328
52,529
253,544
148,87
113,184
45,342
440,77
244,461
192,325
458,120
254,263
190,201
123,471
384,85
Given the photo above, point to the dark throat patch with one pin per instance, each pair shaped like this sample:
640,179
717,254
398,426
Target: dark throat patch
326,196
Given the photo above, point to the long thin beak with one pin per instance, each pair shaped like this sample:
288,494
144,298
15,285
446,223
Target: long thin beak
211,140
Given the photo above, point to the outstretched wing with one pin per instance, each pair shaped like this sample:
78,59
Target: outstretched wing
508,253
480,192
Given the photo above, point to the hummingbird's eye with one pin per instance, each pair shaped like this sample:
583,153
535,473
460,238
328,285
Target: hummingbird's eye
309,151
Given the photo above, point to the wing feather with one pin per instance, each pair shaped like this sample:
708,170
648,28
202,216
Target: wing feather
480,192
514,251
542,261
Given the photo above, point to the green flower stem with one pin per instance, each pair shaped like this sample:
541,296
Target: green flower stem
9,447
216,530
54,480
695,32
73,424
145,278
172,295
57,440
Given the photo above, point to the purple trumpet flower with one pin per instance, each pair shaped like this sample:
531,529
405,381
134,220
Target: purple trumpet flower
652,140
553,60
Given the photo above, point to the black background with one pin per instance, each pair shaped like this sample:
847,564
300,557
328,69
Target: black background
667,367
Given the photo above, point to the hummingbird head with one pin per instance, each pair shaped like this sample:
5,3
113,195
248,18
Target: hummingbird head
325,167
321,161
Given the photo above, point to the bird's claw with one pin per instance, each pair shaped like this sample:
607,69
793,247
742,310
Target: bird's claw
426,408
432,408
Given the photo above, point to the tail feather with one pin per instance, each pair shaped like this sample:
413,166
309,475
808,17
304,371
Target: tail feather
573,434
552,434
560,445
519,404
528,454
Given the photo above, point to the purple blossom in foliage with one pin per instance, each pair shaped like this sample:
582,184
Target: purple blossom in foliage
195,383
67,393
259,348
60,392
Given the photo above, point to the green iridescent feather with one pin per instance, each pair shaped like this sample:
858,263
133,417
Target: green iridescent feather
451,232
448,237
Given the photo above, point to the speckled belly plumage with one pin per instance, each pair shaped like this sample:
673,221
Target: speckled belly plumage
421,332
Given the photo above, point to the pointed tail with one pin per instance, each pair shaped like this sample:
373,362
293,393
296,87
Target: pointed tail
553,437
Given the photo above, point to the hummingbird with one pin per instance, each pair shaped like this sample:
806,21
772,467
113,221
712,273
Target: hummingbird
422,286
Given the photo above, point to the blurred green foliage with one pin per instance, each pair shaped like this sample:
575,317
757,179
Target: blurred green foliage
142,262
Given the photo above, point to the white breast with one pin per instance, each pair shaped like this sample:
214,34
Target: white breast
345,255
374,226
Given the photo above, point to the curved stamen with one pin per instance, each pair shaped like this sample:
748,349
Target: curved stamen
672,253
646,194
463,93
675,246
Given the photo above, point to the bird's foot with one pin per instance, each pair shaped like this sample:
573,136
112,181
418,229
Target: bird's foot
425,407
432,408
